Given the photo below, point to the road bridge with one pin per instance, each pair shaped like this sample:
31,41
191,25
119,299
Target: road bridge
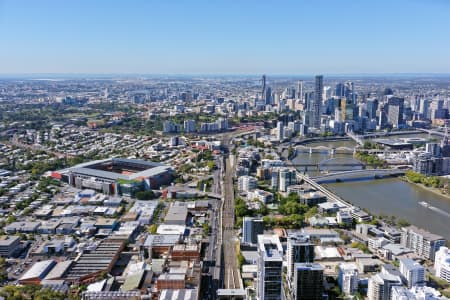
358,139
357,175
433,132
330,195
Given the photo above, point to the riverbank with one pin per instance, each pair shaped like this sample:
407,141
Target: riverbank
435,191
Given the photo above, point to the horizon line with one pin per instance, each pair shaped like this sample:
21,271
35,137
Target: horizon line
127,74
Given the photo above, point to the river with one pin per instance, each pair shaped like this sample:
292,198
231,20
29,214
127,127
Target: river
399,198
385,196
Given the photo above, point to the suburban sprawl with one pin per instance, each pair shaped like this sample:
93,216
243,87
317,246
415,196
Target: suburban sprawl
225,187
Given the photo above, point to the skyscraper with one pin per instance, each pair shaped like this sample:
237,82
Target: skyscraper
270,267
395,111
279,131
268,96
372,106
317,106
263,91
308,281
300,90
299,250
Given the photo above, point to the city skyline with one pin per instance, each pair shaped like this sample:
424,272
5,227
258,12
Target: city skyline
222,38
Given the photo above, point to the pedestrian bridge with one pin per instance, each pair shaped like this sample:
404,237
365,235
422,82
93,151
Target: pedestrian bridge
324,149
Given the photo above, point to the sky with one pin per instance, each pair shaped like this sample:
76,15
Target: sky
225,36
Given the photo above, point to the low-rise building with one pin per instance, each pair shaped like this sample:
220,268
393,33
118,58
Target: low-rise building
8,245
37,272
312,198
23,227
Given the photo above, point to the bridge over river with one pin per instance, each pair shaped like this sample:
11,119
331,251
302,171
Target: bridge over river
357,175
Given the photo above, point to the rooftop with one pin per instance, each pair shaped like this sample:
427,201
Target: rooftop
426,234
39,270
6,240
119,168
178,294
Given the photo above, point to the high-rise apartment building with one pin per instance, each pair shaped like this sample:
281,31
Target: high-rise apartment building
442,264
317,105
247,183
189,126
380,284
423,243
348,278
279,131
413,272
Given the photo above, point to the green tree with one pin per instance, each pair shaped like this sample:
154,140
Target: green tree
144,195
153,228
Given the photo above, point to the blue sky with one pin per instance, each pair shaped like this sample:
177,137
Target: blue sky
234,36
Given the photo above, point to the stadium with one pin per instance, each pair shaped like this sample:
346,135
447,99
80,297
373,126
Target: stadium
117,176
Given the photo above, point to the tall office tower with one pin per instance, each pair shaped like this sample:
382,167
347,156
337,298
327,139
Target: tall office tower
437,110
349,91
382,116
268,96
317,105
381,283
413,272
263,90
299,250
279,131
300,90
372,106
270,267
395,111
308,281
442,264
424,105
289,93
340,91
348,278
347,109
251,228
